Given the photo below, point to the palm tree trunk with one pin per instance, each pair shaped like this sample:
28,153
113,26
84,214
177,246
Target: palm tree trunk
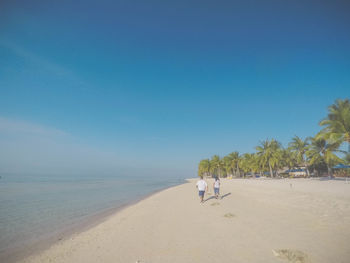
271,172
307,171
306,167
330,171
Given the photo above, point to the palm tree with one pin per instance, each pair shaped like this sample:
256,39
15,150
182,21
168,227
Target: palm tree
234,156
279,159
250,163
260,163
245,163
215,165
337,124
299,147
322,150
227,163
221,168
269,152
289,158
204,167
254,164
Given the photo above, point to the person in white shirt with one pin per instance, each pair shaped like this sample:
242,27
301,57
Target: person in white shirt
202,187
216,187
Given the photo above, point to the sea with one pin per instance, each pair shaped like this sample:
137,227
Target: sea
36,210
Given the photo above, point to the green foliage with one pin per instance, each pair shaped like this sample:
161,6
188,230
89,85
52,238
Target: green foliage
289,158
323,151
216,165
299,147
337,123
317,153
227,165
250,163
270,154
347,159
235,158
204,167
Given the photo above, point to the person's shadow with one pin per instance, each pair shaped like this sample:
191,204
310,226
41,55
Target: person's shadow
222,197
213,197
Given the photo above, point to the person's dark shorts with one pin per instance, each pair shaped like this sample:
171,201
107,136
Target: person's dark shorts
201,193
216,191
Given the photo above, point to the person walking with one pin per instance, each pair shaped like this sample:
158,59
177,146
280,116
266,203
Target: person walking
202,187
216,186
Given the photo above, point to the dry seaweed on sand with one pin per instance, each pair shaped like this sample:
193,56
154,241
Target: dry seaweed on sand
229,215
292,256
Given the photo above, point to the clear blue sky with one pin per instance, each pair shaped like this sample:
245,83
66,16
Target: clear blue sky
159,85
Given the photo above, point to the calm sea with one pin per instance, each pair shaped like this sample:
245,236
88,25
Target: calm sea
35,208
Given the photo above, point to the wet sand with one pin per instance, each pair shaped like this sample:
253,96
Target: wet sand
257,220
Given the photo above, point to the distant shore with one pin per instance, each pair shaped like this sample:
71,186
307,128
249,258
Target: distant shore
256,221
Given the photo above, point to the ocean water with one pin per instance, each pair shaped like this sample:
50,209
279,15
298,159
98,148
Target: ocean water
35,208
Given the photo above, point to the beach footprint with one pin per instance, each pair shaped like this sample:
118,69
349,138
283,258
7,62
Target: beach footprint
229,215
291,256
214,204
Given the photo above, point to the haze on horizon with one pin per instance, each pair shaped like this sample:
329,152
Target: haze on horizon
130,87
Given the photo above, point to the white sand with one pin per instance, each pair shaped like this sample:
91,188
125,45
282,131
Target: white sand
252,223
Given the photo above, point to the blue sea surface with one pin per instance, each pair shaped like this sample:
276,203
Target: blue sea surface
35,207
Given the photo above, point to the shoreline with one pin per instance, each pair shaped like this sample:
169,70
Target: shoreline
33,247
255,221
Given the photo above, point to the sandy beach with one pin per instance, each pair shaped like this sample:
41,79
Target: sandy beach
257,220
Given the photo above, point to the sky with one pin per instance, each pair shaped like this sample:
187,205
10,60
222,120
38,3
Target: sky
153,87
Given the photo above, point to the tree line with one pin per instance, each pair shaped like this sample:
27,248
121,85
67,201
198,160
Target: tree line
317,155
